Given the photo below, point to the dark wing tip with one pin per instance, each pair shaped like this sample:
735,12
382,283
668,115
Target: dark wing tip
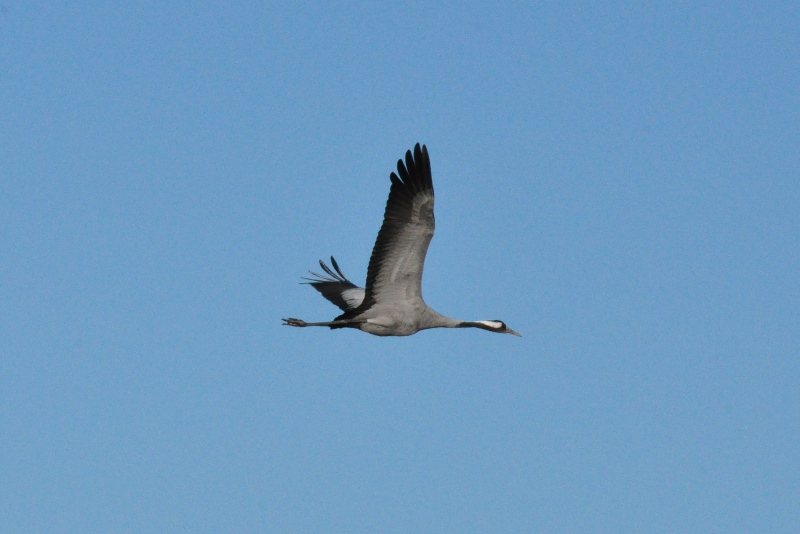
334,275
415,172
410,164
418,155
424,163
338,270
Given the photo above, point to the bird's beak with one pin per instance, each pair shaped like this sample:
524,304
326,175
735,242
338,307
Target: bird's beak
509,331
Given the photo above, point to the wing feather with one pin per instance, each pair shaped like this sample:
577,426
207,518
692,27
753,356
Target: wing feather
335,287
398,257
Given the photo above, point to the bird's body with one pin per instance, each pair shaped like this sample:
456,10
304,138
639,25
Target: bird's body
391,304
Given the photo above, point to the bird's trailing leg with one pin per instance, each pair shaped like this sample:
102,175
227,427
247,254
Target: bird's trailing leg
291,321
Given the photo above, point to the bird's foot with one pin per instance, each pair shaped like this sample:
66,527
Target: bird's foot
291,321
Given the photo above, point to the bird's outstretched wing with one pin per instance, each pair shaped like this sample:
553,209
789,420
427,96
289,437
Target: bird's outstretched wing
335,287
395,267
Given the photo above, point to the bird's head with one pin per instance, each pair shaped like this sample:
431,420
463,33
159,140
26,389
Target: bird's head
496,325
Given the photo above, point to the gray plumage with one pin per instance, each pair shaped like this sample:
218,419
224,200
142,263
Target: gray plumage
391,304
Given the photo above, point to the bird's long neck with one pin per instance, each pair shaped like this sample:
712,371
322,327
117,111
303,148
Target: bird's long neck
434,319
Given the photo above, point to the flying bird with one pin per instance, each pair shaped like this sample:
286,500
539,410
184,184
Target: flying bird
391,304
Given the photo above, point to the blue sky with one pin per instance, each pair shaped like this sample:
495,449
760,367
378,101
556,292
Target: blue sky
617,181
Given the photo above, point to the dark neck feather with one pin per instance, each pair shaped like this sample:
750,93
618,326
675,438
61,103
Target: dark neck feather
478,324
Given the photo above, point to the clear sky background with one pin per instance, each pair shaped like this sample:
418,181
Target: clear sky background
620,182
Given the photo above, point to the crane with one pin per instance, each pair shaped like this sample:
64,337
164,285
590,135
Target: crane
391,304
